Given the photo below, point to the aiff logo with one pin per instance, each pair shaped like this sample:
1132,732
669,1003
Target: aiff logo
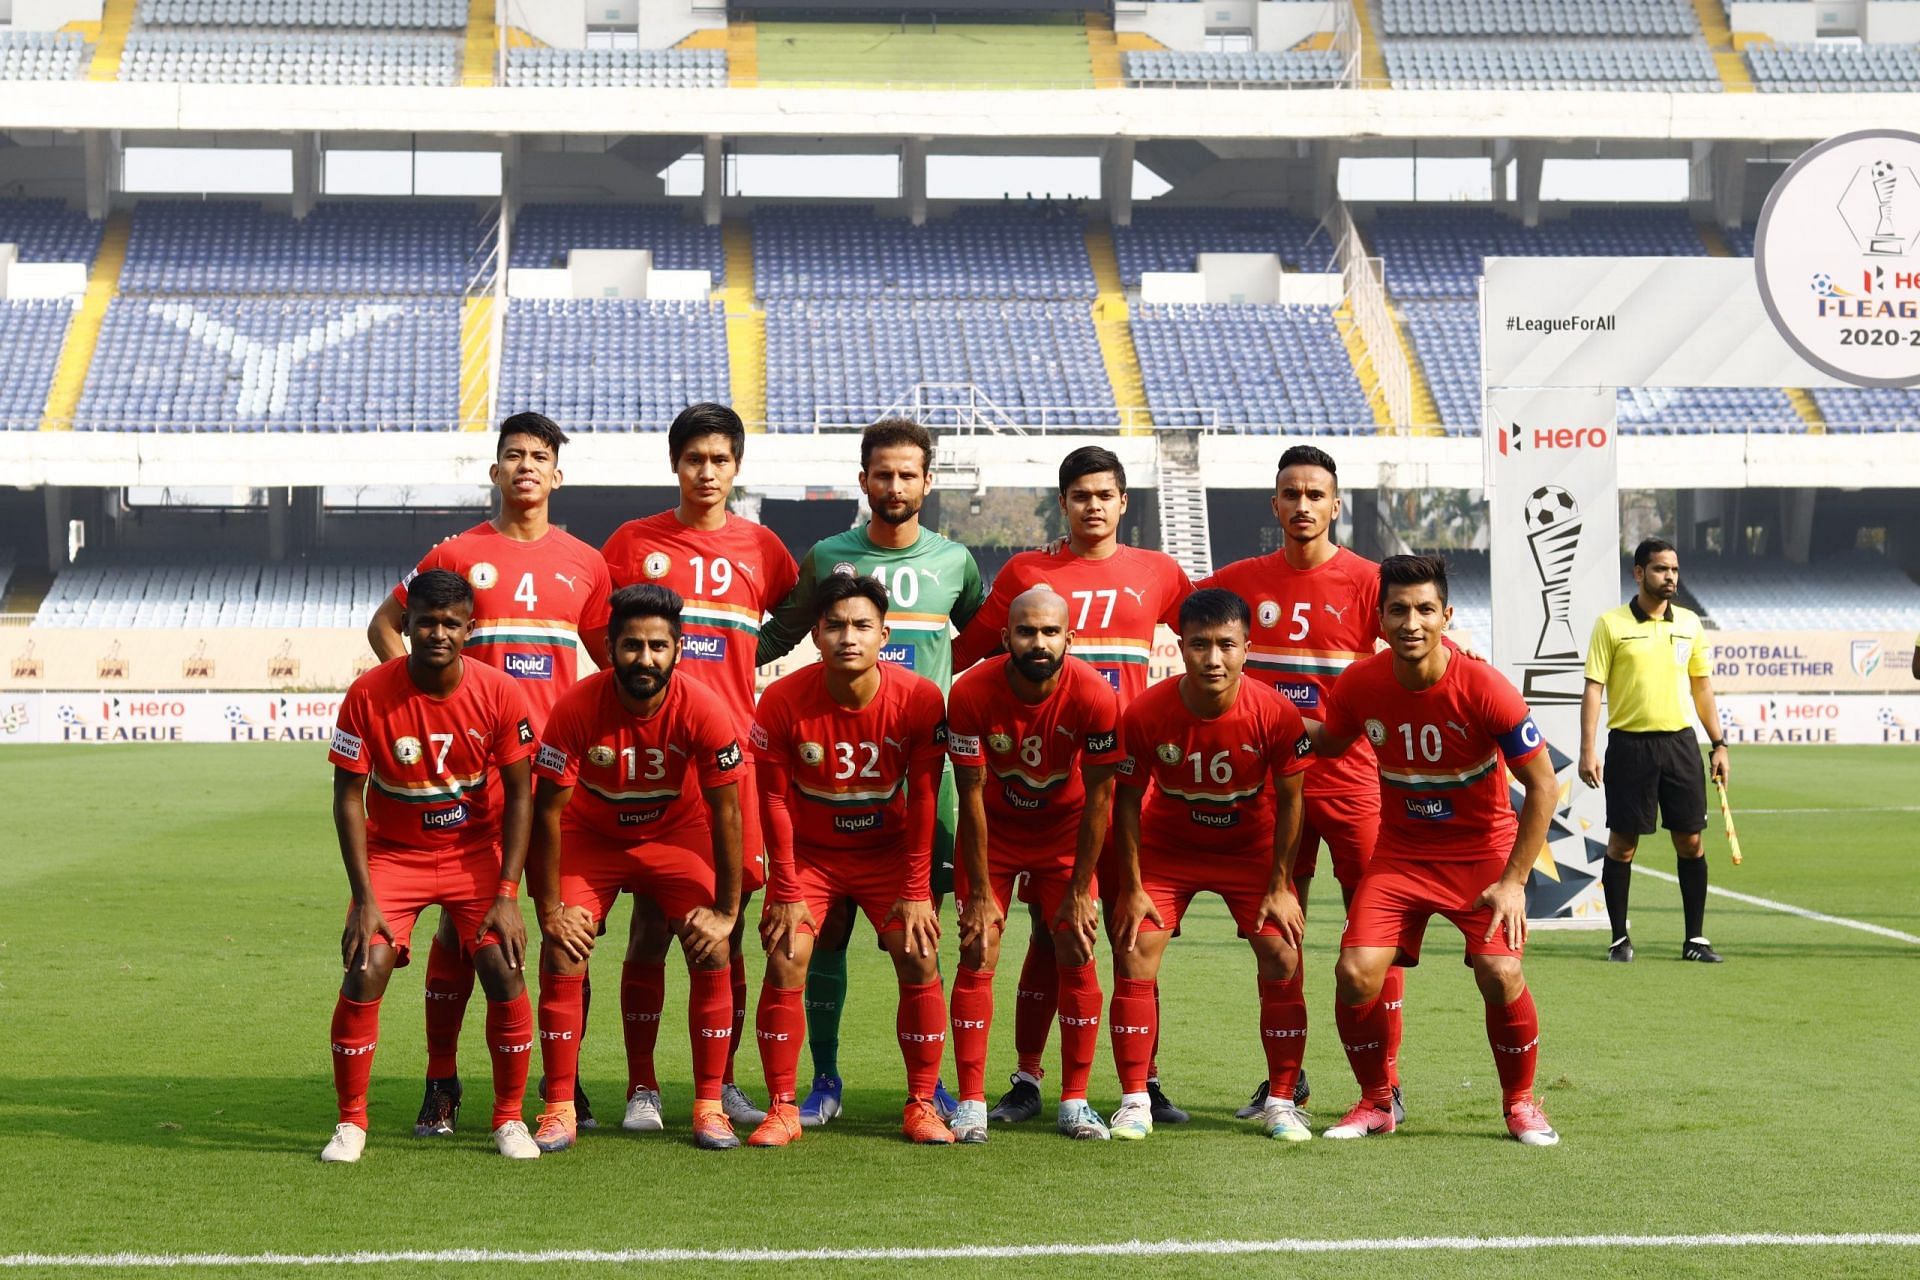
1865,657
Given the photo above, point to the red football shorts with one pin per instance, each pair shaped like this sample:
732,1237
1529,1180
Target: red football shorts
407,883
873,881
753,853
1349,823
595,870
1171,878
1398,895
1042,882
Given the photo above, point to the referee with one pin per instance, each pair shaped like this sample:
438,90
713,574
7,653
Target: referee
1638,656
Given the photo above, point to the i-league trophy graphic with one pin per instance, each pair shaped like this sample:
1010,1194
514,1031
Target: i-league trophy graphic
1553,535
1885,182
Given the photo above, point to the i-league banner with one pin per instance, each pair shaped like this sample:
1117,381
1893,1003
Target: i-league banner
1554,540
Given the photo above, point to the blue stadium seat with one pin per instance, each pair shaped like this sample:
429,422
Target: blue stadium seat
608,364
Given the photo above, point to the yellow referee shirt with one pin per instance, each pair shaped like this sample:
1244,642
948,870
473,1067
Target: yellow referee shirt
1645,663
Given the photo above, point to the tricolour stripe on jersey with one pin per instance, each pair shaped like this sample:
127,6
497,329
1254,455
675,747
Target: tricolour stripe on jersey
546,631
429,792
1303,662
715,613
1110,649
1414,780
630,797
1038,784
849,799
906,620
1209,797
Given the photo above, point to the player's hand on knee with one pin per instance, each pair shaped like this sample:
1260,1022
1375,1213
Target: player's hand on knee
979,916
922,925
365,925
1079,918
504,920
1282,909
1508,902
781,922
707,935
1135,909
571,929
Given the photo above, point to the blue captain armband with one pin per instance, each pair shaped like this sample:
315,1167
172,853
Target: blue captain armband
1521,739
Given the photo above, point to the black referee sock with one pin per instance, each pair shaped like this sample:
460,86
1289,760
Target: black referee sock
1615,879
1693,894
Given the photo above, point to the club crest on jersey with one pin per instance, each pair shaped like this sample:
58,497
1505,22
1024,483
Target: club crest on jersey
600,755
483,576
656,564
1268,612
812,753
1376,733
407,750
1169,752
1000,743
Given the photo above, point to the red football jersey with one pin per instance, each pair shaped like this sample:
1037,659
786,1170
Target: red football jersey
730,578
431,763
637,778
1210,791
532,601
849,769
1443,794
1112,606
1033,753
1309,625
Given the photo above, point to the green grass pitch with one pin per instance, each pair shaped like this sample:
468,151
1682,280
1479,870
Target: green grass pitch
169,920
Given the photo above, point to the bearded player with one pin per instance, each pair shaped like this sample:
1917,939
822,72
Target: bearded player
444,742
1034,737
730,572
932,586
616,809
1440,724
1116,596
1225,757
850,751
1315,612
540,597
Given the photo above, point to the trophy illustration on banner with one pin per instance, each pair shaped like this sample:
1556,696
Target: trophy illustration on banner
1553,535
1885,182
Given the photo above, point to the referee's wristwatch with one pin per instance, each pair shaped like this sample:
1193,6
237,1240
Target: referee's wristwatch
1716,744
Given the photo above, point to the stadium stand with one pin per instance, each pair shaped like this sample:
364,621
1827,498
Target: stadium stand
1669,411
179,57
1266,368
1170,239
1446,337
989,251
855,358
1317,68
175,589
618,68
31,333
1667,65
41,55
1859,591
606,364
48,231
1431,251
1834,67
1853,410
378,14
951,52
341,247
1537,18
544,233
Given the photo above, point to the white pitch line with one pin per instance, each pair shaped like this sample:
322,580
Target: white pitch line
1127,1249
1788,908
1861,808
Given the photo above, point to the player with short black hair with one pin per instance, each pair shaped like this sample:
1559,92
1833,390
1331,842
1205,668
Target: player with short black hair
1440,725
1224,757
540,598
850,750
1117,596
730,572
614,811
444,743
932,586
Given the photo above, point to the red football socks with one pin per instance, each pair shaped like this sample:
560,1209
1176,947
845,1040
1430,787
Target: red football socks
1363,1033
643,991
1133,1024
737,984
356,1030
781,1026
449,986
972,1019
1393,994
710,1027
1514,1032
1035,1001
510,1041
1153,1056
1283,1033
1079,1028
922,1027
562,1014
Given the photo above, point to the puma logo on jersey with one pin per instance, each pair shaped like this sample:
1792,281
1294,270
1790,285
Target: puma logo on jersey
571,584
1339,615
1060,728
478,736
743,567
679,751
1139,596
1250,749
931,574
890,742
1457,728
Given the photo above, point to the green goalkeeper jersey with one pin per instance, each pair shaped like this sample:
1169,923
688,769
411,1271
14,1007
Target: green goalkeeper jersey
931,586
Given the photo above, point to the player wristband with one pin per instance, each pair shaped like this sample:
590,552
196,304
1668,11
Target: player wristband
508,889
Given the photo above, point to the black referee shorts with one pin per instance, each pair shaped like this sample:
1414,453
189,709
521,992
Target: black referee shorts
1645,770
